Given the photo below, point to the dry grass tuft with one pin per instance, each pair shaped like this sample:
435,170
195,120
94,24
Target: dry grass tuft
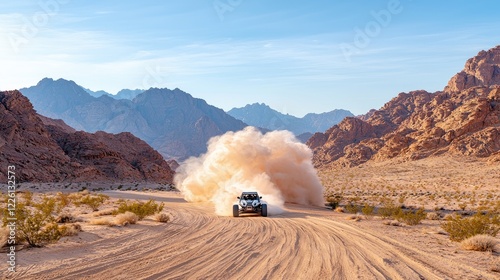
71,229
126,219
355,218
433,216
340,209
391,223
105,212
104,221
480,242
162,218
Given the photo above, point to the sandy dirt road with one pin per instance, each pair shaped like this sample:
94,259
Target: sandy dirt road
303,243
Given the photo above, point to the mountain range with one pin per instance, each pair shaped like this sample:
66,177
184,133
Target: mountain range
261,115
171,121
129,94
48,150
463,119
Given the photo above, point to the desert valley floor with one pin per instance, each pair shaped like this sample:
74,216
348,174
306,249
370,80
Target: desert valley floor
302,243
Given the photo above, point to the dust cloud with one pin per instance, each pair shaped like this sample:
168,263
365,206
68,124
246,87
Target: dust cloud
274,164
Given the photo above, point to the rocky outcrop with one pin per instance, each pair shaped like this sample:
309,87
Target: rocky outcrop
47,150
463,119
481,70
356,140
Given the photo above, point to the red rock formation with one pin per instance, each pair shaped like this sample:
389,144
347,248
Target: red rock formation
481,70
463,119
47,150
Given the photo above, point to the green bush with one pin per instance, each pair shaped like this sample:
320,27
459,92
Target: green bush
411,217
389,209
36,225
28,197
461,228
93,201
367,210
333,201
141,209
64,199
352,208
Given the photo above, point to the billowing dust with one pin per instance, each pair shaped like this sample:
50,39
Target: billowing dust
274,164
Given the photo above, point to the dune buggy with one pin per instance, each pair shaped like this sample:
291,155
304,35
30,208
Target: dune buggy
250,202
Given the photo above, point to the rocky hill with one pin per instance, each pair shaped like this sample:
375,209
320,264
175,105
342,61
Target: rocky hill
171,121
47,150
463,119
261,115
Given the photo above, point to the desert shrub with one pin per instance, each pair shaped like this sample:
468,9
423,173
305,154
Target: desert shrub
496,208
126,218
367,210
75,196
389,209
47,206
65,218
141,209
64,199
28,198
433,216
411,217
36,225
93,201
352,208
162,218
333,201
462,206
71,230
460,228
481,242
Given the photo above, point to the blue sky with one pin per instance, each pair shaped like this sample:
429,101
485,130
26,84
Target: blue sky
296,56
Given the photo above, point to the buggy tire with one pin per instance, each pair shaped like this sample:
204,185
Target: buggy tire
236,210
264,210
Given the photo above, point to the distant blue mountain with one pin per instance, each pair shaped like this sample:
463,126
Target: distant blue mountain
171,121
129,94
261,115
122,94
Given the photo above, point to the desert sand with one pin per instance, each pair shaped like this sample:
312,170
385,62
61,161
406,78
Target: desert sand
302,243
